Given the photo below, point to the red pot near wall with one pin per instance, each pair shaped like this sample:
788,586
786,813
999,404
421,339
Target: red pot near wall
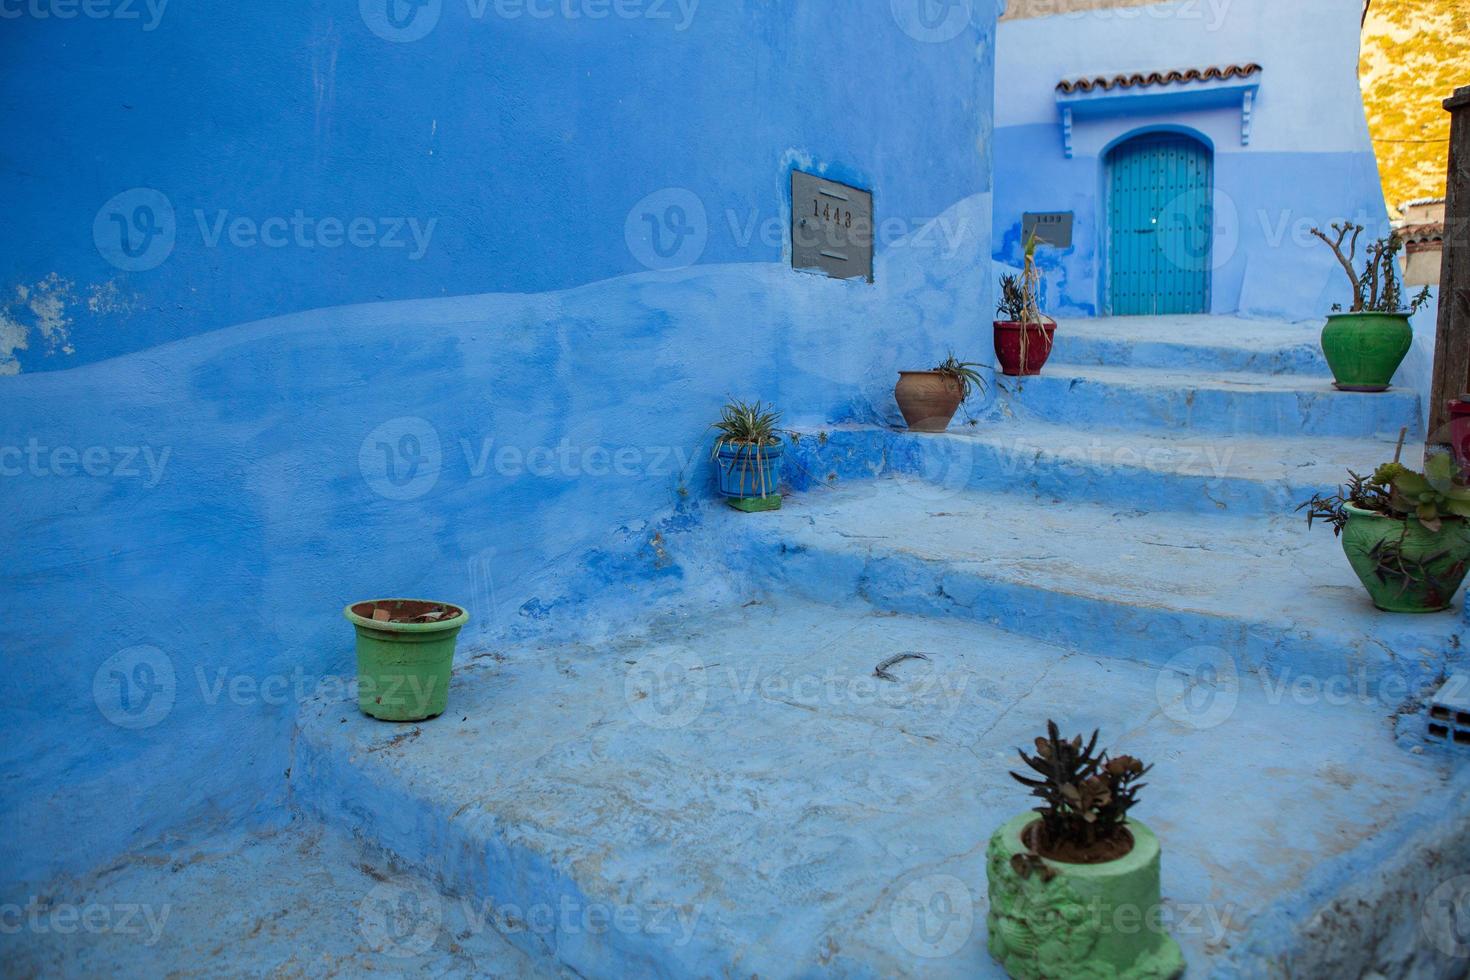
1039,338
1460,431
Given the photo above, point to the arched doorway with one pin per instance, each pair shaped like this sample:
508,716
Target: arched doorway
1160,225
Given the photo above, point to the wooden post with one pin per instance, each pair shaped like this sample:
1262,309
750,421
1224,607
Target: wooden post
1451,376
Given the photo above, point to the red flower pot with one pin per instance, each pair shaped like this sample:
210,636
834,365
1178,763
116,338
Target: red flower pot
1008,346
1460,431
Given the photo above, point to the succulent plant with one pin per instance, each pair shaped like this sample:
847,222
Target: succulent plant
1086,797
1396,491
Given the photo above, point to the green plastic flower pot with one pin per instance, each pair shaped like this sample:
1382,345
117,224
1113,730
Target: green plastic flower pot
1425,578
1055,919
1365,349
403,668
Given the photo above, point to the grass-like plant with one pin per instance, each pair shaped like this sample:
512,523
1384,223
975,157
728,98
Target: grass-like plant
743,424
963,373
1085,798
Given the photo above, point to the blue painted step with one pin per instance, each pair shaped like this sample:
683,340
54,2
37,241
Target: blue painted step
1168,469
736,794
1258,404
1203,343
1118,581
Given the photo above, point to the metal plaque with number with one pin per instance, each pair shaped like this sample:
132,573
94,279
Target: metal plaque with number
831,228
1052,228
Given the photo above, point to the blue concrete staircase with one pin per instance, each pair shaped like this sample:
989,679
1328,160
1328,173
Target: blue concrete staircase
732,780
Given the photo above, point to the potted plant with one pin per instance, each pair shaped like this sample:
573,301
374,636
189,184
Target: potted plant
1404,533
405,649
747,455
1024,335
929,399
1366,344
1074,884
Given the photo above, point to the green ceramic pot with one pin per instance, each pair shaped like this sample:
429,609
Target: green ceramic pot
403,668
1438,560
1053,919
1365,349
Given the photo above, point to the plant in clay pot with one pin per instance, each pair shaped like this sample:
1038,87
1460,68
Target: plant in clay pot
1365,344
1064,878
1404,533
747,455
1023,334
405,651
929,399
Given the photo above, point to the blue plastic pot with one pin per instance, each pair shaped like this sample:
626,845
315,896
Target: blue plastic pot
750,476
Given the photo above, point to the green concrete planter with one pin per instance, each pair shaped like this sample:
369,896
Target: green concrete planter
1087,920
1365,349
403,668
1439,559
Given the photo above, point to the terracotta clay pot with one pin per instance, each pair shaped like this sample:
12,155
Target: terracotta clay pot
1039,337
927,399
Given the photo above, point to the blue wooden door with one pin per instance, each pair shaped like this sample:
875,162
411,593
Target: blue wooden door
1160,224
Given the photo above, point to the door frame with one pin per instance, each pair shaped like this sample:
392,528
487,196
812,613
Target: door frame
1103,239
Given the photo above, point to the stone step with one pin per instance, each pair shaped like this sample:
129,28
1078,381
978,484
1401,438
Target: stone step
1203,343
1160,470
732,792
1121,581
1263,405
299,901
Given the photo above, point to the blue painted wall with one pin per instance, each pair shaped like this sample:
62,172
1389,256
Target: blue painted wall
1309,161
184,522
310,154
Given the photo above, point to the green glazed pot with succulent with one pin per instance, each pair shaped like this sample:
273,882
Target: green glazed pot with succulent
1365,344
405,651
1074,884
1405,534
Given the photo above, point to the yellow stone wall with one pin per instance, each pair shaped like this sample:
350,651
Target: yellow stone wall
1415,54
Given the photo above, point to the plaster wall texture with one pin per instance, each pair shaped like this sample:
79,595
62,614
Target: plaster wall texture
193,167
185,521
1309,160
